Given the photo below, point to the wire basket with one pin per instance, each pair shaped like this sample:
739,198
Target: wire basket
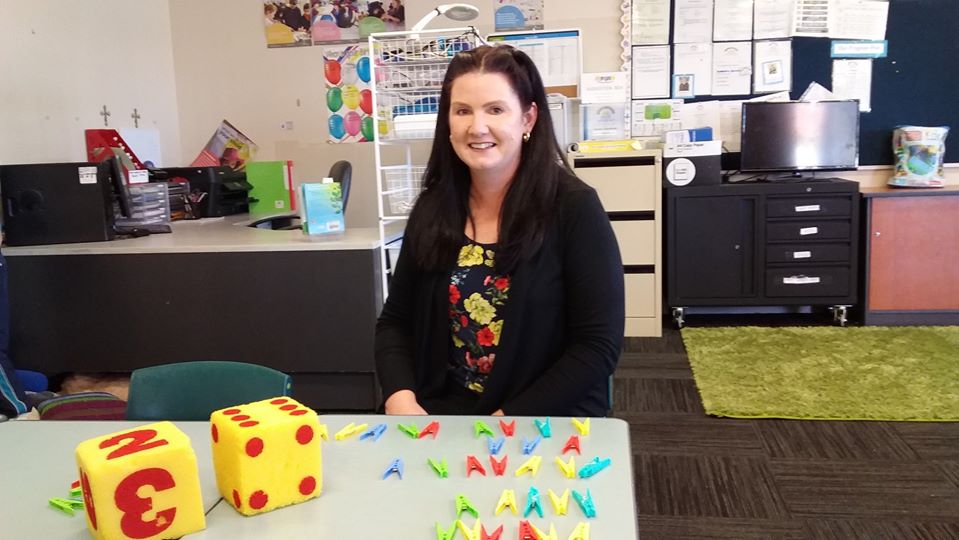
403,185
409,69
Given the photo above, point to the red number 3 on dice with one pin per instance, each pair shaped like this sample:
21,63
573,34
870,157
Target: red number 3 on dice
125,496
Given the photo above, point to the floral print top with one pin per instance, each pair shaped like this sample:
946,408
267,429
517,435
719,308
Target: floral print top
476,300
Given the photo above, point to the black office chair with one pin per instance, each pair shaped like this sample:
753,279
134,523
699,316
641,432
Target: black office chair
342,172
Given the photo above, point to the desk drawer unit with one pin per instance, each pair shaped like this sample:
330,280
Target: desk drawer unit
808,253
629,186
808,281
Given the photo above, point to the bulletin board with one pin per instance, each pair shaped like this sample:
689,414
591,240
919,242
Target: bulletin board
916,84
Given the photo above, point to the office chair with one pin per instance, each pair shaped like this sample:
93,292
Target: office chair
342,172
193,390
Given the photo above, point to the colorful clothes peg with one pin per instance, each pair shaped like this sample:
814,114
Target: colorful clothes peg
472,464
568,468
470,533
560,503
448,534
585,503
440,467
464,505
526,531
495,445
507,500
481,428
582,427
507,428
533,503
571,444
531,466
410,429
348,431
396,467
543,426
540,535
581,532
323,432
374,432
493,535
594,467
499,467
530,445
433,429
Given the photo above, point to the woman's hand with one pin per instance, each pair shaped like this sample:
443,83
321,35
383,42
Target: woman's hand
403,402
499,412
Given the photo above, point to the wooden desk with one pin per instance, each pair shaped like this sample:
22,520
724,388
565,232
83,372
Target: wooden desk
356,501
911,256
212,290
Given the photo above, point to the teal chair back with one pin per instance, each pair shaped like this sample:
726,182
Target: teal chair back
193,390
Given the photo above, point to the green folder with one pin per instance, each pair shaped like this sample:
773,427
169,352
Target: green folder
271,186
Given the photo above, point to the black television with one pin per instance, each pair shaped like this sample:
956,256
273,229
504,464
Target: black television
118,184
795,136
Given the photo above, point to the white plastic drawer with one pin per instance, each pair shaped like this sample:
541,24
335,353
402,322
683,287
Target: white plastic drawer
623,189
640,295
637,241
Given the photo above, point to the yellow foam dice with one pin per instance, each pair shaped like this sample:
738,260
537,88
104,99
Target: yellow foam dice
267,454
141,483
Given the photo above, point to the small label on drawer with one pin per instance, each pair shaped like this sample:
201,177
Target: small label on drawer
805,231
808,208
802,254
800,280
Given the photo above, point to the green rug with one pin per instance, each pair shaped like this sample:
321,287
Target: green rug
827,373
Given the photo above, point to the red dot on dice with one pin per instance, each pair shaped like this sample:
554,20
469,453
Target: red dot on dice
236,499
279,401
304,434
215,433
251,423
240,418
307,485
288,407
231,411
258,500
254,446
298,412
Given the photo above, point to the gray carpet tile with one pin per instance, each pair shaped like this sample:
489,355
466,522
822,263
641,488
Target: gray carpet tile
691,434
706,486
950,469
655,365
833,440
863,490
831,529
932,440
684,528
656,395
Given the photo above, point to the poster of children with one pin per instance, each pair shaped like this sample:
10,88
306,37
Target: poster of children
287,23
349,100
346,21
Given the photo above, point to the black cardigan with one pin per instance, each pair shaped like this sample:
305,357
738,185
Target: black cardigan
563,323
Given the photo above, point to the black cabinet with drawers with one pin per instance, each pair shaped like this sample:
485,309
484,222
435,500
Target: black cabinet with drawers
762,245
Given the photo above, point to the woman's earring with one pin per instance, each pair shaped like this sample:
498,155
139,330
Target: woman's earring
526,137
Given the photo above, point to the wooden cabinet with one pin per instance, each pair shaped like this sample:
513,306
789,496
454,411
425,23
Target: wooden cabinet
629,185
911,256
761,245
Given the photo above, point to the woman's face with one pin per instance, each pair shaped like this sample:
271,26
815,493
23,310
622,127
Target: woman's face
487,123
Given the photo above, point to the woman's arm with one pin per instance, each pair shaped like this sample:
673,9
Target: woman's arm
595,310
393,342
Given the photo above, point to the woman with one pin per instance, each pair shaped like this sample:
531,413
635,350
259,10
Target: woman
507,297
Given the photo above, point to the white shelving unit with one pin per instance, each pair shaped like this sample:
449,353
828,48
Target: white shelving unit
407,71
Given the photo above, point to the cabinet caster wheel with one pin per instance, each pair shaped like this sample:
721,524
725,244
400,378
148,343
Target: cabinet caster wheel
678,317
840,315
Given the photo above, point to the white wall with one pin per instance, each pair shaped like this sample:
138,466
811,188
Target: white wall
224,70
61,61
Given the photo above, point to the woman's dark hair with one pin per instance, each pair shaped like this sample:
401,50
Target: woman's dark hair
438,220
